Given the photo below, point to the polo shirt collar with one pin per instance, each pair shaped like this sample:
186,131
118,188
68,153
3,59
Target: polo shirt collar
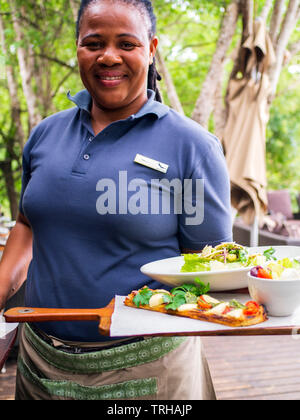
83,100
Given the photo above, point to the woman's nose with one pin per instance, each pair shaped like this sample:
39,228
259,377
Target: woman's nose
109,57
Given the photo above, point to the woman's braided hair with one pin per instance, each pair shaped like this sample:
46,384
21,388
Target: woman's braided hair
145,8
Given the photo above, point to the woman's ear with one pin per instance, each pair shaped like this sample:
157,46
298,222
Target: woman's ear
153,47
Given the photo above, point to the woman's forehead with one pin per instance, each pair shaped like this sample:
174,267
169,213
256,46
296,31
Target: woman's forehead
114,16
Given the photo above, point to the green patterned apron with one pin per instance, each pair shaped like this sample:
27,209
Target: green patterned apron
57,374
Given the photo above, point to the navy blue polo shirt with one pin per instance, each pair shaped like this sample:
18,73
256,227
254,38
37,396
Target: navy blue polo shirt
98,213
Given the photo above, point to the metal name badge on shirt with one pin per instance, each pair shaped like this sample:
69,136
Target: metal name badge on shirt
151,163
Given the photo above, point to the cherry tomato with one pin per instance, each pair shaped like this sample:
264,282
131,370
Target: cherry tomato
226,310
251,308
203,304
264,274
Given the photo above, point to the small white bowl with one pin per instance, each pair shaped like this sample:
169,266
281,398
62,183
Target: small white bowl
280,297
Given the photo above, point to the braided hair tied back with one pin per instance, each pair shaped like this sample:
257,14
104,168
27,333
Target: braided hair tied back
153,76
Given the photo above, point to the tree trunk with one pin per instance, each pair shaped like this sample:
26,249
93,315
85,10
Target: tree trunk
276,20
287,28
219,111
172,94
205,102
74,8
13,91
25,71
266,10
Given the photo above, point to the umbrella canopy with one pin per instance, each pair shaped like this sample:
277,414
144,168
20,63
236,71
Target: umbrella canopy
245,132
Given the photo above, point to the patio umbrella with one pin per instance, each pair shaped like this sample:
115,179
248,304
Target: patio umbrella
245,132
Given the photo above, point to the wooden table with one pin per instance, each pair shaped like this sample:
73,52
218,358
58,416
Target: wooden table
263,368
6,345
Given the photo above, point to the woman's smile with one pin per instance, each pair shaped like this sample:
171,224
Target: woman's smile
111,79
114,53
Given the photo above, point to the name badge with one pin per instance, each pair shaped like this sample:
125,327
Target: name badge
151,163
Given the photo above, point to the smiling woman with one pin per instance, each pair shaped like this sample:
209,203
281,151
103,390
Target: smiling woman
83,256
115,48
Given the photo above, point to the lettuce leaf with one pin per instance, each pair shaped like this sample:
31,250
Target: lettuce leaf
193,263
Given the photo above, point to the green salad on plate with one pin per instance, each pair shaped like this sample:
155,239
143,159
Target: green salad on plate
226,256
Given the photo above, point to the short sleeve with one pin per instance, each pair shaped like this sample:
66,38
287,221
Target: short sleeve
26,164
207,218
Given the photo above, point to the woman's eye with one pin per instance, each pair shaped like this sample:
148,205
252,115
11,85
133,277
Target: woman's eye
127,45
93,45
100,45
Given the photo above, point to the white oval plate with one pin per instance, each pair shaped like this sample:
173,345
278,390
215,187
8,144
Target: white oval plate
168,272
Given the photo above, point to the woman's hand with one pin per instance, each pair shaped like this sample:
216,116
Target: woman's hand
15,260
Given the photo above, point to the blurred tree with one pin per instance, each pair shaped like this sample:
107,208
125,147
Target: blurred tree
38,49
199,46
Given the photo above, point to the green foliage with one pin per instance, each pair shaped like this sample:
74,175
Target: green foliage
188,40
188,31
283,135
49,38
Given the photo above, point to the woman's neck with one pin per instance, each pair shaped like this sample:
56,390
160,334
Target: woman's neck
101,117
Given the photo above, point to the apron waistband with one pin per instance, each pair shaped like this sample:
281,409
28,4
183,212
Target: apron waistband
104,360
79,348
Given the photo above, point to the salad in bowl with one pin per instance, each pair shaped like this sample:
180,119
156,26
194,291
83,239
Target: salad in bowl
284,269
276,286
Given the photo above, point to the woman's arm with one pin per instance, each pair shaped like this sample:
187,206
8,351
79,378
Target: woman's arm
15,260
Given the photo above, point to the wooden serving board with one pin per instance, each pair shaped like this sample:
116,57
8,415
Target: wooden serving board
104,317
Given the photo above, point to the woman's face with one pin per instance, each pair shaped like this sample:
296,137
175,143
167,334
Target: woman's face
114,53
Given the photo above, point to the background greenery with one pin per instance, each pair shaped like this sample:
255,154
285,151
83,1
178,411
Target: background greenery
188,32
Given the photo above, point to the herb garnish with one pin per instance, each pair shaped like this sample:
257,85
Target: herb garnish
143,297
235,304
187,293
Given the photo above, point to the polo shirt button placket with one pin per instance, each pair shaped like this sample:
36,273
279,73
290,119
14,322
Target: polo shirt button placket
86,156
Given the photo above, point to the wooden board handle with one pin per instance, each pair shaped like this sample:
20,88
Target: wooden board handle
49,314
56,314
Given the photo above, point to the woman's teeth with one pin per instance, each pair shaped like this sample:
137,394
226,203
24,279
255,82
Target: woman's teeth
111,78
